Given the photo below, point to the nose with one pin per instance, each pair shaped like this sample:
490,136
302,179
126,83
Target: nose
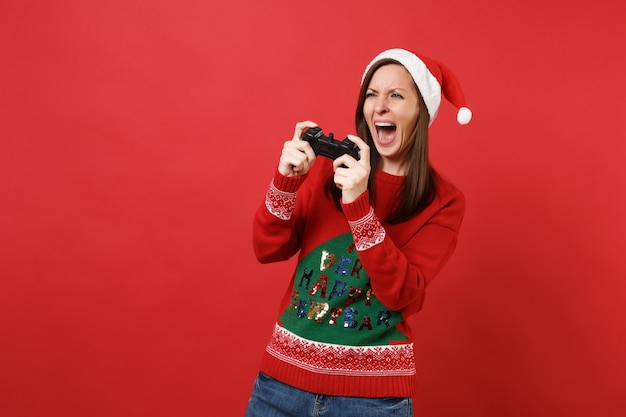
380,106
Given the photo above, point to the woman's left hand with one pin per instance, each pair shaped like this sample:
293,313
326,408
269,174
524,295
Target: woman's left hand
352,176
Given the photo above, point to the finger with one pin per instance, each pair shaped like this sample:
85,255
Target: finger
307,149
343,162
299,147
302,147
364,149
301,168
339,180
301,127
295,166
297,156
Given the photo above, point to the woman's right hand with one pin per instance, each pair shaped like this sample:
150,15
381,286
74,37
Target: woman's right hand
297,156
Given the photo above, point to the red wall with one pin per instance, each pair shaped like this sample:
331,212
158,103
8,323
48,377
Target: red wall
137,139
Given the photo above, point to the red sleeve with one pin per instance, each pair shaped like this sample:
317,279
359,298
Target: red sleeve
275,231
400,270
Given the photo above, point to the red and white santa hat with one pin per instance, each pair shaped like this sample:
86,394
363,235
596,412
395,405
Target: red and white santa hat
432,78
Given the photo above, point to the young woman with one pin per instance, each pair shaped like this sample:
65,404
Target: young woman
371,234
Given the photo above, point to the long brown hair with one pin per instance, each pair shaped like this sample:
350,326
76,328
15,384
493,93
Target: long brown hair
419,187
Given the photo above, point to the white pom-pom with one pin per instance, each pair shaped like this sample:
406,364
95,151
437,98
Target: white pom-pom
464,115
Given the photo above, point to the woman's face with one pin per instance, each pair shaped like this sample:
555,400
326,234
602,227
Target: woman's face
391,109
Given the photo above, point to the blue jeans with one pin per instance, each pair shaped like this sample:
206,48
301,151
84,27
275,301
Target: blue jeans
271,398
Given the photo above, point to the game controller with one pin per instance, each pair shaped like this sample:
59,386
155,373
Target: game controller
328,146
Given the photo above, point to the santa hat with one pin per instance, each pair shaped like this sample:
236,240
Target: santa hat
432,78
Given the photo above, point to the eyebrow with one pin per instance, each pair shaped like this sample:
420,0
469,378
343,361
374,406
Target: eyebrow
394,89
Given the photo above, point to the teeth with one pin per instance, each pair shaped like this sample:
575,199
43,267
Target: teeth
382,124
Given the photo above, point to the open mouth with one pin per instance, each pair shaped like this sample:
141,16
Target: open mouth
385,132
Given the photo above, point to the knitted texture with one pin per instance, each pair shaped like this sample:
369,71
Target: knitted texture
342,326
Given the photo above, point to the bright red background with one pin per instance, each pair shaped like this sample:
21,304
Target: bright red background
138,138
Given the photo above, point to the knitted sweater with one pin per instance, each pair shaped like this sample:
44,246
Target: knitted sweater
342,328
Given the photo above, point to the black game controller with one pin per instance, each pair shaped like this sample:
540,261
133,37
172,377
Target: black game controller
328,146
